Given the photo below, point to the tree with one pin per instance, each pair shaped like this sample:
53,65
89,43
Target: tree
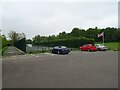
82,33
14,36
29,41
116,36
62,35
51,37
111,35
36,40
75,32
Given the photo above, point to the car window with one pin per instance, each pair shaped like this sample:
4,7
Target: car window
89,44
101,45
63,47
56,47
96,45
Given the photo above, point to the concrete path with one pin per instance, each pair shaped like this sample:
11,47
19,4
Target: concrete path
13,51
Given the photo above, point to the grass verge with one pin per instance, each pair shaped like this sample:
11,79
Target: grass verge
2,51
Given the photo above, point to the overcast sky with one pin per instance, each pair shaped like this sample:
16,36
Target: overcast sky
50,18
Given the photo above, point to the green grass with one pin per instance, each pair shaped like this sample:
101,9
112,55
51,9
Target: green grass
111,45
2,51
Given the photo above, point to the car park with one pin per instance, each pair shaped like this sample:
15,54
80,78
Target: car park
101,47
88,47
60,50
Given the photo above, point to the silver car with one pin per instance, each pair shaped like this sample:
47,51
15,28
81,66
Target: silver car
101,47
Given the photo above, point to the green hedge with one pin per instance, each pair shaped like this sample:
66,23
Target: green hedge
74,43
3,42
3,45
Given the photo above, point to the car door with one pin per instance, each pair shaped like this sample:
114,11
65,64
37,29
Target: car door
87,47
97,46
84,47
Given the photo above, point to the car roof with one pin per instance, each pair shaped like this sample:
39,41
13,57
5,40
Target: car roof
88,44
60,47
99,44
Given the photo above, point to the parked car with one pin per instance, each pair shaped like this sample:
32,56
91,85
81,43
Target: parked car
101,47
88,47
60,50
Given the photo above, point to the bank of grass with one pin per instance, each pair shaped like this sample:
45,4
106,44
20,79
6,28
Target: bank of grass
2,51
112,45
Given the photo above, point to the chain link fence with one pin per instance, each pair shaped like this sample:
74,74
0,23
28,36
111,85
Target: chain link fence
37,49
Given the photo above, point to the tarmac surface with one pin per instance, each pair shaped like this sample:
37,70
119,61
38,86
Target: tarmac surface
78,69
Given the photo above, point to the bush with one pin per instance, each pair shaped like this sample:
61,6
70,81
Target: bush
3,42
3,45
73,43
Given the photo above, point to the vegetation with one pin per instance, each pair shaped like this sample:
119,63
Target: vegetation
74,39
3,44
3,50
74,42
14,36
77,37
112,45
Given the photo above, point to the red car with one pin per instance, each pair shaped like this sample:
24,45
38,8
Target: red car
88,47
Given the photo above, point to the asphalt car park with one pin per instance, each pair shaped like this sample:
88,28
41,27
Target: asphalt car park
78,69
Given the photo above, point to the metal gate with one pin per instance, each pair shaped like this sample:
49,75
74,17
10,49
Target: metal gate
21,44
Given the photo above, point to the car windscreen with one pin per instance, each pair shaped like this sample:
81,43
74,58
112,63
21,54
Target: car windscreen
88,45
101,45
63,47
56,47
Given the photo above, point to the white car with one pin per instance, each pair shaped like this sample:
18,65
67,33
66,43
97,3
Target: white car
101,47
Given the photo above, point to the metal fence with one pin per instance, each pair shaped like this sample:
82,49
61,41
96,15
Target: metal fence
37,48
43,48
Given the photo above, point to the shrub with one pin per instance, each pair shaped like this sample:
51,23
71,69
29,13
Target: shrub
73,43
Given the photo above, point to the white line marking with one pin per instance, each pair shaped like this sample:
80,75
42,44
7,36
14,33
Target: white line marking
13,56
36,56
10,52
52,54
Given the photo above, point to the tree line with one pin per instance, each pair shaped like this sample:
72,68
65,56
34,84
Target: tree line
77,36
111,35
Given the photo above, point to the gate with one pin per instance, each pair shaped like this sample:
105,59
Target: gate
21,44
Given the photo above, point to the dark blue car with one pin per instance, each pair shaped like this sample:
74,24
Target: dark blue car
60,50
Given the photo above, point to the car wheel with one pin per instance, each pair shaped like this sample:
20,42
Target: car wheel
67,53
99,49
58,52
89,50
80,49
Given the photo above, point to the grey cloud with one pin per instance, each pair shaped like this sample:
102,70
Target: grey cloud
52,18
